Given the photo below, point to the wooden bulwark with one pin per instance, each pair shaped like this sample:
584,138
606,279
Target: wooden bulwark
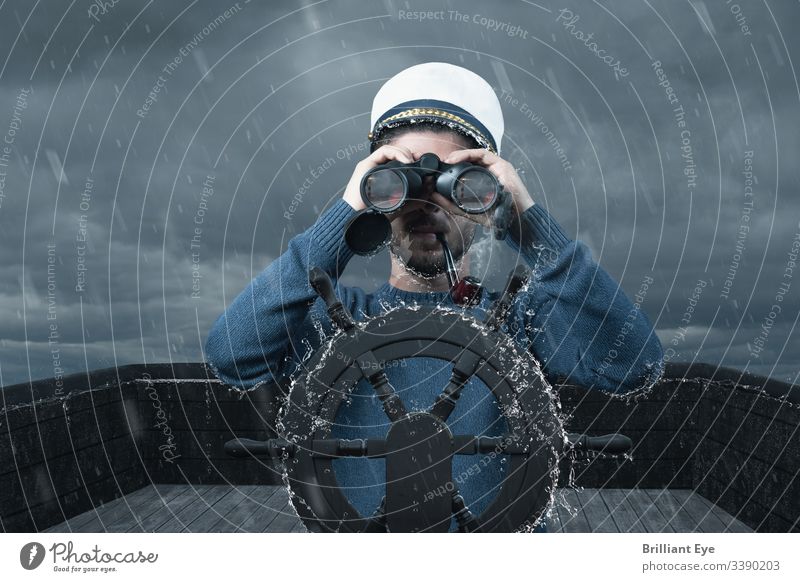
98,439
266,508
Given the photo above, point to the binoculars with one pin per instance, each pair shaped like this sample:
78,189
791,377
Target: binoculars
387,187
472,188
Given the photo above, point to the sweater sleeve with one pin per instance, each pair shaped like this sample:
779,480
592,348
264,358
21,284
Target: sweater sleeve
271,320
575,318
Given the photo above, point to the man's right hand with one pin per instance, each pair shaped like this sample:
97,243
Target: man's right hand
385,153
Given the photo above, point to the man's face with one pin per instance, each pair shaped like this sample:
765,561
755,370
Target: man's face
417,223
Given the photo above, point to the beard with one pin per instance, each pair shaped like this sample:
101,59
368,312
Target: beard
421,252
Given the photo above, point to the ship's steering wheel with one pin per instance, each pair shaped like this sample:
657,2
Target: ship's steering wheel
419,446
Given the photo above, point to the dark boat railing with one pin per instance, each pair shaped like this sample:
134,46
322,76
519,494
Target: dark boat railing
91,438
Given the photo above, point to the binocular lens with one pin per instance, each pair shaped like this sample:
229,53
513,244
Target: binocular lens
385,189
475,190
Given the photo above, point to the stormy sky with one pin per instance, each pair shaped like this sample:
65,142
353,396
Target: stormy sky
676,122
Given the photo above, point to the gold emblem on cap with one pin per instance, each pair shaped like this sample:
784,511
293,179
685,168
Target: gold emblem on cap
416,111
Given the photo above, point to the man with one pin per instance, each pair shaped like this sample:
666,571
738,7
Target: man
568,318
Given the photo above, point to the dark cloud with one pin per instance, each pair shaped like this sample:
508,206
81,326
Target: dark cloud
264,95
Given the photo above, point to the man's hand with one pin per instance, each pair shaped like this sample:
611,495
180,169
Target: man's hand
502,170
385,153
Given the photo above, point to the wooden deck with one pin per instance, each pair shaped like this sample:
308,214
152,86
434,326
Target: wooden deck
256,508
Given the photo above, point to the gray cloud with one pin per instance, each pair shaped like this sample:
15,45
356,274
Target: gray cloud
288,85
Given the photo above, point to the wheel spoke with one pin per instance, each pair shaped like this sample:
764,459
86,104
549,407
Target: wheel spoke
373,371
464,518
376,448
500,308
379,517
463,370
474,445
340,448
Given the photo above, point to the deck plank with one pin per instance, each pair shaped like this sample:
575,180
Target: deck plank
596,512
573,523
286,518
263,515
213,519
171,507
120,508
131,523
554,520
299,528
623,514
707,521
90,515
250,505
266,508
730,523
675,514
670,525
201,502
96,518
648,514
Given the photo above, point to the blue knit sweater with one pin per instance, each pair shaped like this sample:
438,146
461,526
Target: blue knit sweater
571,318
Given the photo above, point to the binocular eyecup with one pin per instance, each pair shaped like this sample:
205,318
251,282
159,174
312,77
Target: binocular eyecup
385,188
472,188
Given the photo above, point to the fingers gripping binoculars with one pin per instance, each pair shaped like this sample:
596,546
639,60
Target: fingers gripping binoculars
472,188
385,188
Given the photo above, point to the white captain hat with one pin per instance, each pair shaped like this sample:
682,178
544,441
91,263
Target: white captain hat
440,93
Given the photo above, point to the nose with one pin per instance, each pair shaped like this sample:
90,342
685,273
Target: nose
424,194
429,184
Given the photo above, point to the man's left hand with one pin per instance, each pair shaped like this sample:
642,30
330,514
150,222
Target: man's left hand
502,170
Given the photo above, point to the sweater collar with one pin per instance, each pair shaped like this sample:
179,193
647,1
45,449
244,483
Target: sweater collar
394,295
